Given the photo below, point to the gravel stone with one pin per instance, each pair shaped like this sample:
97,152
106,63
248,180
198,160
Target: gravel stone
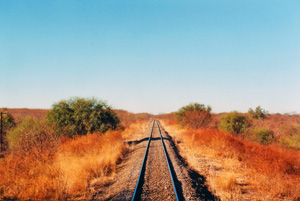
156,182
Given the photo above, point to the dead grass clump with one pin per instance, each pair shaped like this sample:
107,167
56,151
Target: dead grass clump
270,159
76,166
26,172
226,181
87,158
270,170
26,177
134,130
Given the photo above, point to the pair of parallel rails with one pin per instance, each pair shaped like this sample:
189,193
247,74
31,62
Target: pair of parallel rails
143,167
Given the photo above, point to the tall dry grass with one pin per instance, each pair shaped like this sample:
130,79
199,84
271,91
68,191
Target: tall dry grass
270,170
73,170
135,130
88,160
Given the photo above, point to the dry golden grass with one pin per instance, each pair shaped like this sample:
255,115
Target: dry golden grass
237,169
226,181
26,177
81,162
77,166
134,130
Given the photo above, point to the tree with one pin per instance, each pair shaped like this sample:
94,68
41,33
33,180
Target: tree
8,120
82,115
194,115
234,123
258,113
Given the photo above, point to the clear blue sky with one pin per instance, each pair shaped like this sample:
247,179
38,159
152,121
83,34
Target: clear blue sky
152,56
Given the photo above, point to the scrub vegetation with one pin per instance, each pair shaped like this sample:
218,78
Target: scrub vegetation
243,156
234,123
65,153
8,121
194,115
79,116
68,152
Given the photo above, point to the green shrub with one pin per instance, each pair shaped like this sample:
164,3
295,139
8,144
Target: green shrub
234,123
263,136
31,134
80,116
194,115
258,113
291,142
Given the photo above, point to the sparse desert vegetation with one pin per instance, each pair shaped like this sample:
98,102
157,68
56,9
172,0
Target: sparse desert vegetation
247,158
194,116
70,169
243,156
51,162
162,100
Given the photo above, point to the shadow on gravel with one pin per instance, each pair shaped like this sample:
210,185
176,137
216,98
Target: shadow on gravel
198,180
137,141
143,140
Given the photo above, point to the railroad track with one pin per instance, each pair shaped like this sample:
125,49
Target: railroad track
148,186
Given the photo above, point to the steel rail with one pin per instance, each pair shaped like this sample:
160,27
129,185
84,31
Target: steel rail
143,166
171,174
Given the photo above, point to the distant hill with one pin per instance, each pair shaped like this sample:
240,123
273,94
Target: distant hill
20,113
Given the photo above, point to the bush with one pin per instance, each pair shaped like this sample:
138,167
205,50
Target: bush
258,113
194,115
82,116
8,120
234,123
31,136
263,136
292,142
